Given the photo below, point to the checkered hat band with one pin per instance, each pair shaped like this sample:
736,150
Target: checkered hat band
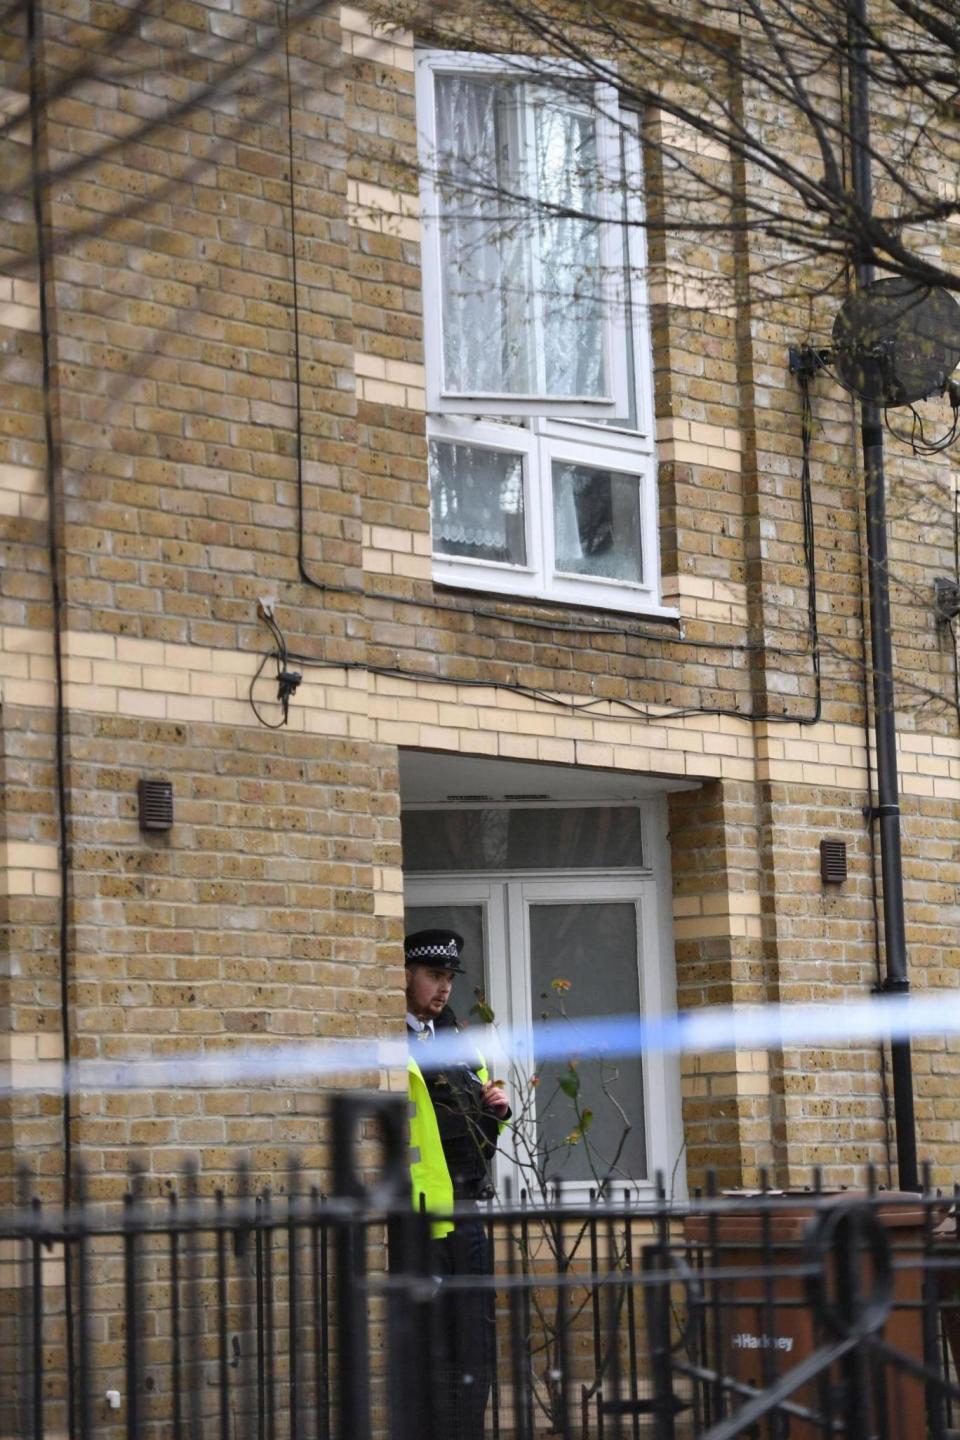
433,952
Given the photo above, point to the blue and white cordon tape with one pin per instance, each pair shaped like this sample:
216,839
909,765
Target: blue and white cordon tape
602,1037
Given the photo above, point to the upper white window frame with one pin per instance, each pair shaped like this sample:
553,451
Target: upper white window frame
636,434
605,109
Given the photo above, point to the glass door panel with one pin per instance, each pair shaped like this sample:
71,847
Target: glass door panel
468,921
599,933
585,958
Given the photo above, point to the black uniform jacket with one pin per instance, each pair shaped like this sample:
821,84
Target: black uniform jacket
468,1128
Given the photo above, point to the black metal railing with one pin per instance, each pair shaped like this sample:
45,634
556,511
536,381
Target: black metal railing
285,1313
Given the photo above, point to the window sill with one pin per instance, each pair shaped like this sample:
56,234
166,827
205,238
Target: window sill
577,1195
643,610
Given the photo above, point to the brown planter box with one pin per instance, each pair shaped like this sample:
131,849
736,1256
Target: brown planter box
768,1326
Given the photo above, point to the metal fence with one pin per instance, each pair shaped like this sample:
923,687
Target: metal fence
260,1315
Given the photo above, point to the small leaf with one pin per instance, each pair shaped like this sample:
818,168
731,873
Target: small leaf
570,1084
481,1009
580,1129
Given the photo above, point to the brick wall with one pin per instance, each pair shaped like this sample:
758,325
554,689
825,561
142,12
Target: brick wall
274,907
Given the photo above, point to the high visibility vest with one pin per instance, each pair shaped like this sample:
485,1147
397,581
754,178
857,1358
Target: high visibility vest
430,1179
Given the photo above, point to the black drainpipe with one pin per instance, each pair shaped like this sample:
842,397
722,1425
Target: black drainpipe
887,809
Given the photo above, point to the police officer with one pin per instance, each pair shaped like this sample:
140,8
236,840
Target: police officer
456,1115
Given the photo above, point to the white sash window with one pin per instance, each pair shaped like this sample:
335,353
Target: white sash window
536,334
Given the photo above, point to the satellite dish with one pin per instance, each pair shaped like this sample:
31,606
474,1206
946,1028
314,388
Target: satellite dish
896,341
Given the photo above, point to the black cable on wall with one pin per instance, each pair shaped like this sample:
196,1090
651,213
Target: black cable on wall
305,574
34,41
53,475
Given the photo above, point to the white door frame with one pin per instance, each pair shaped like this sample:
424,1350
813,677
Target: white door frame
506,898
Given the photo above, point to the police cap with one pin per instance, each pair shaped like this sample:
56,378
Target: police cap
440,949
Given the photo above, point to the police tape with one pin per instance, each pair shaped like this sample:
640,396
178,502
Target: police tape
519,1049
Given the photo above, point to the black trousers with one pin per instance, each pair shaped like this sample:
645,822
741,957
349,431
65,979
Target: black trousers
463,1335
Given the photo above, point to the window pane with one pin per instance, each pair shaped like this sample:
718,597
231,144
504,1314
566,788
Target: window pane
596,522
569,256
467,920
476,503
594,948
522,310
486,253
584,838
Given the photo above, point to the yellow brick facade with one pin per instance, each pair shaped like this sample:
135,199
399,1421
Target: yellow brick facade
181,495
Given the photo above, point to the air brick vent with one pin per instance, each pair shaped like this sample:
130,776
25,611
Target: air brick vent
833,862
156,804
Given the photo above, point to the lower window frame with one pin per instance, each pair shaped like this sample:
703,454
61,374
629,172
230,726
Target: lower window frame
539,447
